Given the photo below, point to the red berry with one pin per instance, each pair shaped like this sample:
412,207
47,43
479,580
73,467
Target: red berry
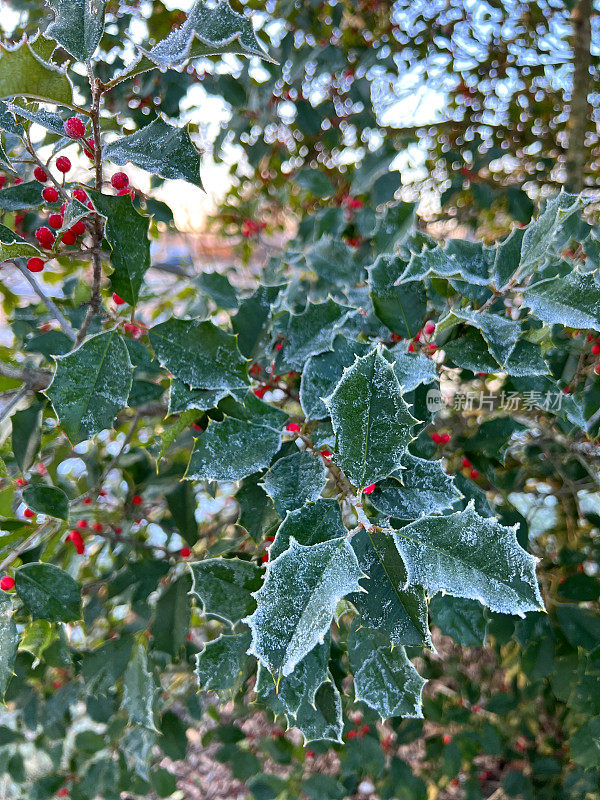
429,328
185,552
567,390
454,782
118,300
21,482
474,474
45,237
466,463
74,128
352,734
411,347
28,513
97,526
596,349
476,708
55,221
50,194
63,164
136,500
445,438
80,195
35,264
119,180
82,523
69,237
293,427
264,558
87,501
310,754
118,529
40,174
325,453
432,347
436,437
196,427
6,583
78,227
260,392
127,190
62,792
369,489
446,739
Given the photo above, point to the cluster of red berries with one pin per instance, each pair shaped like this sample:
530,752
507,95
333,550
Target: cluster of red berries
353,203
466,464
359,733
427,330
440,438
250,227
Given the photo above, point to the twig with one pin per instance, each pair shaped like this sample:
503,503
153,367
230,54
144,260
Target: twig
34,379
13,402
47,301
25,544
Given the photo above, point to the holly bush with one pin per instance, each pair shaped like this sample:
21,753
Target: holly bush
357,497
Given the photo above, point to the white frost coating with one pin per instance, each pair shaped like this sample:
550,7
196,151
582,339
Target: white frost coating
296,603
573,300
384,678
470,556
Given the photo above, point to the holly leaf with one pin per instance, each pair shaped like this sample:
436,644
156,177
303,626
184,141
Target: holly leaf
78,26
9,640
20,197
296,603
321,720
161,149
300,687
539,234
182,398
224,586
200,354
470,556
172,617
25,73
419,487
310,333
126,232
384,678
27,434
334,262
220,664
14,246
252,316
322,372
501,334
572,300
49,500
232,450
507,257
139,690
461,260
464,620
90,385
295,479
257,512
372,422
48,592
411,369
313,523
400,308
208,30
386,602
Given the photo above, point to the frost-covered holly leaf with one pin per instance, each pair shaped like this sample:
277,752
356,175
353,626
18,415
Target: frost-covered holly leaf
182,398
249,408
47,119
372,422
225,586
208,30
26,73
21,196
572,300
507,257
419,487
539,234
127,234
8,122
295,479
501,334
470,556
411,369
313,523
48,592
232,450
139,689
9,640
291,691
217,286
464,620
48,500
460,261
257,512
296,603
200,354
91,385
78,26
252,316
220,664
321,720
27,434
334,262
386,603
401,308
310,333
471,352
4,160
322,372
526,359
384,678
161,149
14,246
